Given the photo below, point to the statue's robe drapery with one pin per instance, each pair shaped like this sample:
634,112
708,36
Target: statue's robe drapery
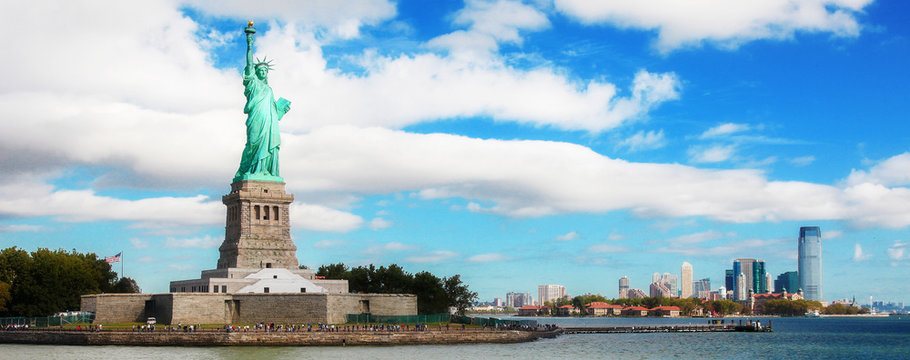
260,155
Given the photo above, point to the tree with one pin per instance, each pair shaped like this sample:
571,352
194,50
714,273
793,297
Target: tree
723,307
333,271
126,286
578,303
434,295
458,294
431,295
44,282
4,296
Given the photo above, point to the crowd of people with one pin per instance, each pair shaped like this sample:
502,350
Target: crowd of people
310,327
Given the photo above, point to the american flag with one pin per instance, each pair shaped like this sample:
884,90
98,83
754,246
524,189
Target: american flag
113,259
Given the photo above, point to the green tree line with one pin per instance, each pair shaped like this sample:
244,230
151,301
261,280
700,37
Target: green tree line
434,295
686,306
44,281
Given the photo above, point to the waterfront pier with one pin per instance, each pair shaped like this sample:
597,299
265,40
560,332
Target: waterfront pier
714,327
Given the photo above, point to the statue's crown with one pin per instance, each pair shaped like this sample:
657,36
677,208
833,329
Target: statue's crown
264,62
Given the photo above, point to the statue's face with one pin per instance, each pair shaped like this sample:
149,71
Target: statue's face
262,72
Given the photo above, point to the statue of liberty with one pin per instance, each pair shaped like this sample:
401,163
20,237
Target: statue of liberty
260,155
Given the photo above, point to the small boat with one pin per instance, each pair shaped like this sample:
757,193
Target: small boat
813,313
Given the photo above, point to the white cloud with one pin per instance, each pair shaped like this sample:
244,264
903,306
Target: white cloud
322,244
898,251
205,242
750,246
491,257
538,178
27,196
643,141
489,23
20,228
342,18
380,223
382,249
139,243
146,259
148,136
802,160
894,171
724,129
572,235
607,248
858,253
711,154
699,237
833,234
321,218
726,24
433,256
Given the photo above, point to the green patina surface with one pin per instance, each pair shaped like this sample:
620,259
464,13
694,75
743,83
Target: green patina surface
263,140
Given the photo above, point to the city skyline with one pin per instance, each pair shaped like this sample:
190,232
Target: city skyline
515,143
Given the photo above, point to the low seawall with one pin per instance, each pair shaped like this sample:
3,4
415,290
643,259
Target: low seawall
275,338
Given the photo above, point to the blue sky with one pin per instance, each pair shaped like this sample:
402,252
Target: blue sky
514,143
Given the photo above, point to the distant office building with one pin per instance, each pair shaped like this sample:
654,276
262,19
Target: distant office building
623,287
497,302
740,291
547,293
788,280
767,282
517,300
729,280
685,272
754,272
671,281
810,262
655,277
699,286
660,289
637,294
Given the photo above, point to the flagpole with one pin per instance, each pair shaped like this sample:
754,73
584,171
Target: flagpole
121,264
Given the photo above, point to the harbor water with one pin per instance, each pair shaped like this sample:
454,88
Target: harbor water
793,338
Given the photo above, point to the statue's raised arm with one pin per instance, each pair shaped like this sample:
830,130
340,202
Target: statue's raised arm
250,65
259,161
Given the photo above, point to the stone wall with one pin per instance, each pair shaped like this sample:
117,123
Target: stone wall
280,308
332,286
113,308
198,308
210,308
212,338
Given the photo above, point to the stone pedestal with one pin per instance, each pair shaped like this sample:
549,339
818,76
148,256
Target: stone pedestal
257,232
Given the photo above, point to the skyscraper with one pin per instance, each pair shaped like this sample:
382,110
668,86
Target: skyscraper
729,281
659,289
517,300
759,277
671,281
754,272
549,293
623,287
810,262
788,280
740,292
685,272
700,286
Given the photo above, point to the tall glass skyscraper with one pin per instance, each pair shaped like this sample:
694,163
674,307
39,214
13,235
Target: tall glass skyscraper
788,280
810,262
623,287
754,273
